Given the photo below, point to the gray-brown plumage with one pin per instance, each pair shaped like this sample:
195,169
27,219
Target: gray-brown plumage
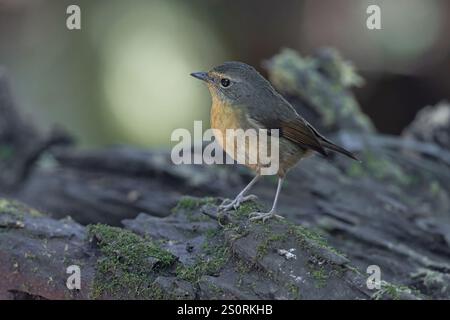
243,99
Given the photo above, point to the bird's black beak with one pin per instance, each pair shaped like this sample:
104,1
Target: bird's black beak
200,75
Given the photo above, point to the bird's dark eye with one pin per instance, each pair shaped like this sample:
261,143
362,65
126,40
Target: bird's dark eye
224,82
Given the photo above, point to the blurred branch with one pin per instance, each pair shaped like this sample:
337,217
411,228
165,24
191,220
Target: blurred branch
20,142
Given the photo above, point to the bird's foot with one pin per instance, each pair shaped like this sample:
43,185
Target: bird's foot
254,216
234,204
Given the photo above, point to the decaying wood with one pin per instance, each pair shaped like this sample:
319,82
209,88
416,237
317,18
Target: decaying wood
392,211
432,124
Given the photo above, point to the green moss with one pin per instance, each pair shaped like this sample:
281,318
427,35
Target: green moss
205,265
191,203
302,233
335,68
215,290
321,276
391,291
210,234
306,237
242,267
355,170
6,152
430,278
215,254
267,243
354,270
246,208
235,231
435,188
17,209
294,291
124,270
157,293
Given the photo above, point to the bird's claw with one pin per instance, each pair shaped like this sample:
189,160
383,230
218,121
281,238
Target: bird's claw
254,216
234,204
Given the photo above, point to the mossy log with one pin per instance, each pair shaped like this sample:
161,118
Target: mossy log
153,242
190,254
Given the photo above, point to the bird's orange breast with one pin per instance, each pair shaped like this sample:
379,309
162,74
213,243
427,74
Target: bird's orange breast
223,117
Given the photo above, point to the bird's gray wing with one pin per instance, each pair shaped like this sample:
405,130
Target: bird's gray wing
272,111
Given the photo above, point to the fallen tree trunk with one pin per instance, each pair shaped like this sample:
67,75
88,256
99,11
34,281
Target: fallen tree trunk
186,255
390,211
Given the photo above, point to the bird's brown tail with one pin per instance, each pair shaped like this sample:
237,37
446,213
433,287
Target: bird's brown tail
325,143
330,145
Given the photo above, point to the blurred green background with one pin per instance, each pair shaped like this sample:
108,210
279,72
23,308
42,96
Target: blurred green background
124,77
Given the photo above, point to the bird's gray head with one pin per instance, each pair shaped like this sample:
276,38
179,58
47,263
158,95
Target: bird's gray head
233,82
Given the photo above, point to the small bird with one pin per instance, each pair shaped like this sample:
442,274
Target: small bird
243,99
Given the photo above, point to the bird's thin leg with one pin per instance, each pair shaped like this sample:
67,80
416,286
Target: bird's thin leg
272,213
240,198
